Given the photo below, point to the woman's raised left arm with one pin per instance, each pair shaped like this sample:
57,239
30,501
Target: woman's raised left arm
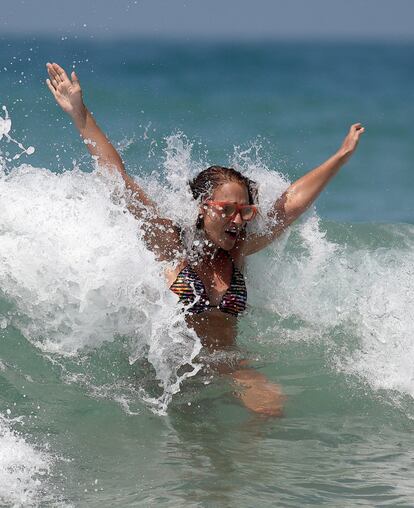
302,193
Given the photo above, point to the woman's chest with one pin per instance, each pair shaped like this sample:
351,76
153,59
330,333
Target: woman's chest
209,284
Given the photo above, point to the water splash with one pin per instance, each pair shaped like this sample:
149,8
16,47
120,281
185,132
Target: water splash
74,274
356,300
5,127
23,469
79,274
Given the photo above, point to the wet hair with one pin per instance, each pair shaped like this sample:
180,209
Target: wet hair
204,184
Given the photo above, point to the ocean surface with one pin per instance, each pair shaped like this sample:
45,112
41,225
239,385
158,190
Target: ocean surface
101,403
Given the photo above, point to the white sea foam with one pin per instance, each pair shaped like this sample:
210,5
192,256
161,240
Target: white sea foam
78,272
385,321
365,294
75,267
23,469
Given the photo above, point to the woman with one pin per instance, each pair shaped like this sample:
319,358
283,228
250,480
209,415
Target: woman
209,282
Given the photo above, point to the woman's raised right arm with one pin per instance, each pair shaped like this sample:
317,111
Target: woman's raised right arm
161,235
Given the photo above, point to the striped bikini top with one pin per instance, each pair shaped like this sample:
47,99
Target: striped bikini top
192,293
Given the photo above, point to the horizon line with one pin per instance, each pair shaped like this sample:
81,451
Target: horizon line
209,39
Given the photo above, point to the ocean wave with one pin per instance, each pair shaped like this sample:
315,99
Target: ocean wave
76,273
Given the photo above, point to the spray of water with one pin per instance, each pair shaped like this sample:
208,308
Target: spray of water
78,274
5,127
23,469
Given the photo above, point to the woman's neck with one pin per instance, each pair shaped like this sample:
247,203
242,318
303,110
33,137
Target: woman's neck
206,253
213,262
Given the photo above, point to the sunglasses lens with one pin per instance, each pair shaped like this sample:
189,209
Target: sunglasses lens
229,210
247,213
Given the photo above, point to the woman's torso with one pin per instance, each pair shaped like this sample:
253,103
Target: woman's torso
214,293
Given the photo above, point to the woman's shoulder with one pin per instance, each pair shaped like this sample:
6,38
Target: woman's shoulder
172,271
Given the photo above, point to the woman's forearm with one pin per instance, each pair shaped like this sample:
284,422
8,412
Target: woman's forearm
161,234
97,143
164,243
100,147
302,193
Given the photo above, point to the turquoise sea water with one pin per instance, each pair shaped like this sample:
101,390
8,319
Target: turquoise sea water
93,407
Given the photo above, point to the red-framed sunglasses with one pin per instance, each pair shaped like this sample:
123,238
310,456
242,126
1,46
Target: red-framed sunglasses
230,210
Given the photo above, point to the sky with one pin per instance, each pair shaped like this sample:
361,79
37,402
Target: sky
211,19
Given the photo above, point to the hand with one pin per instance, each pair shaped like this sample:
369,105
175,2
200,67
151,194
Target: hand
351,141
67,92
258,394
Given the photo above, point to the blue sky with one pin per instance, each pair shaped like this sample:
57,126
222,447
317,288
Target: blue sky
224,19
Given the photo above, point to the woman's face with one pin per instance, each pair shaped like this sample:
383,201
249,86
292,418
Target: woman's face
224,231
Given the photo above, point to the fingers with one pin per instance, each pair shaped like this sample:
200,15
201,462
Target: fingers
356,129
74,78
60,72
56,73
54,78
359,130
51,71
51,87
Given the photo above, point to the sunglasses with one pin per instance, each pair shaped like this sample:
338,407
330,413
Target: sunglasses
230,210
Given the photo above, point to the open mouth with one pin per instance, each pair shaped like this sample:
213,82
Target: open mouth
232,233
